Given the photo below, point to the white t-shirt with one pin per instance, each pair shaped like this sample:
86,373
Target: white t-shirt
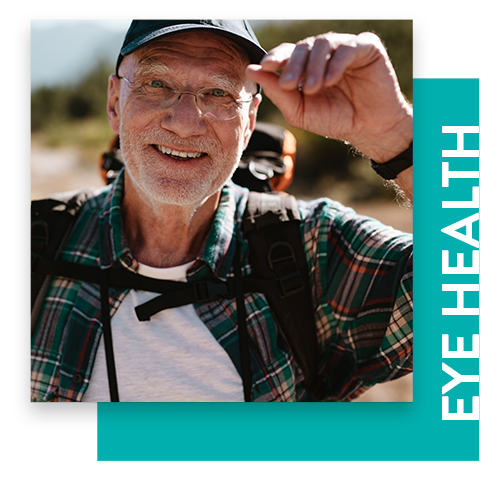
171,358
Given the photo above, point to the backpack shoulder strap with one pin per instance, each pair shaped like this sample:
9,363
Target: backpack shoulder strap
271,226
51,222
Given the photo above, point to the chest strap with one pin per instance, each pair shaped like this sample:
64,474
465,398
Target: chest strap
173,293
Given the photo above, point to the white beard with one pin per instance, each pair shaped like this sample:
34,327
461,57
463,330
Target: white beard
169,183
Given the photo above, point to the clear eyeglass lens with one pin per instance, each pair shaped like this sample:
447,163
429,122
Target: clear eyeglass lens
212,103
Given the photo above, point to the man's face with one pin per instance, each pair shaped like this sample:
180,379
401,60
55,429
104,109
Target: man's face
175,155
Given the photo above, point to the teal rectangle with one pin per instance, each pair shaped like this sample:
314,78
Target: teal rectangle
342,431
447,103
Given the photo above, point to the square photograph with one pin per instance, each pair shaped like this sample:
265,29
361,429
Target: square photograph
222,211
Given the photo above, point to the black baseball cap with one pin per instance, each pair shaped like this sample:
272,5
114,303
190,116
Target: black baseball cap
142,32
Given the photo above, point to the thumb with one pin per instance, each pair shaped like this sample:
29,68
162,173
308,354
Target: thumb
288,101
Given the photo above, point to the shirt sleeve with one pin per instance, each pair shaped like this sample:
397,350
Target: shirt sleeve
363,292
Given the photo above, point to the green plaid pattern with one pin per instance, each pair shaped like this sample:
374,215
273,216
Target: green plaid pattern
361,279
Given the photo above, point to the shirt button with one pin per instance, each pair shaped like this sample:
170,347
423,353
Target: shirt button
127,260
77,378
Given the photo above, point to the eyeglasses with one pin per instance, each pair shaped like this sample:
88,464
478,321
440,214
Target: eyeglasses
213,103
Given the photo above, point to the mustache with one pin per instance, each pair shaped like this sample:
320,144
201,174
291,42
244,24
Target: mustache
165,138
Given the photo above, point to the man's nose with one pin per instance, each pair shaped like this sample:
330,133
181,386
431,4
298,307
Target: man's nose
184,117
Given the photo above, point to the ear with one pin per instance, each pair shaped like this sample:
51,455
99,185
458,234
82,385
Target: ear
113,104
252,115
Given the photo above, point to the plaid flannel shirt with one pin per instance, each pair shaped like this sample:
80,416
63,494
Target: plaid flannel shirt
361,279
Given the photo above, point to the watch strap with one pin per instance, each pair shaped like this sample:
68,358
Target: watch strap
390,169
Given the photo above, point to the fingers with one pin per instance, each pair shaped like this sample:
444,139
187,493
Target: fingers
354,52
319,62
320,56
287,101
266,79
276,58
329,57
345,55
267,74
292,74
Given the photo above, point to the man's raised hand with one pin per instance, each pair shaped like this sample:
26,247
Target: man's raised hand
340,86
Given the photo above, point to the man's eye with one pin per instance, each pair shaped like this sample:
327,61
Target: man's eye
219,93
157,84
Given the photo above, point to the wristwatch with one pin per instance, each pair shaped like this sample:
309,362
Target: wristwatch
390,169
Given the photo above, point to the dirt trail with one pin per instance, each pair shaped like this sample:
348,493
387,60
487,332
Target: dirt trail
59,170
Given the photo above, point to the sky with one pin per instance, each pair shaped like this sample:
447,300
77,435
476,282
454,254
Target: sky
110,24
118,25
74,46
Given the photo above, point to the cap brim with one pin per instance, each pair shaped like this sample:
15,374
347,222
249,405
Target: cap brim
255,52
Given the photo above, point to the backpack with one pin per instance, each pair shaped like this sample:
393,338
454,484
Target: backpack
271,225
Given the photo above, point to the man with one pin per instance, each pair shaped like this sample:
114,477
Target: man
184,102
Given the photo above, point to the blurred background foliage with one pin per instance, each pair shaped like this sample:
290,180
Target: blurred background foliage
75,115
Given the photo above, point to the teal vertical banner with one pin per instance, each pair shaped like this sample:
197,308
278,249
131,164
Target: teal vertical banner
445,310
446,177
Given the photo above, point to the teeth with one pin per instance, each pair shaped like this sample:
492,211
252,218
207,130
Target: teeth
180,154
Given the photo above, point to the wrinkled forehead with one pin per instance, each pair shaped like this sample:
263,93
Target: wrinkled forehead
197,48
203,59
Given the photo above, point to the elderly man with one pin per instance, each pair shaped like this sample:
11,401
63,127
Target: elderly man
184,102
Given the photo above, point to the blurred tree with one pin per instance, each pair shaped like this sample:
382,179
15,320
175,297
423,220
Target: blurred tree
47,106
59,104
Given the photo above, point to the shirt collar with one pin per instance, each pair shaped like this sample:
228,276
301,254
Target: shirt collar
219,247
113,245
217,251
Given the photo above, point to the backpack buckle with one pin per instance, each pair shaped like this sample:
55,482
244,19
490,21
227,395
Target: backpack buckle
281,258
290,284
280,253
205,291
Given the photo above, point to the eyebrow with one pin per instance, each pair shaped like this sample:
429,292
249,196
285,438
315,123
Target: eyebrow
226,82
151,65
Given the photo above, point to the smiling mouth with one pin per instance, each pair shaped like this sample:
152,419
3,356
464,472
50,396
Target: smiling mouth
178,155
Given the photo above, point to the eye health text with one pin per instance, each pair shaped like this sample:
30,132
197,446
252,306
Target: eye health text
460,268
